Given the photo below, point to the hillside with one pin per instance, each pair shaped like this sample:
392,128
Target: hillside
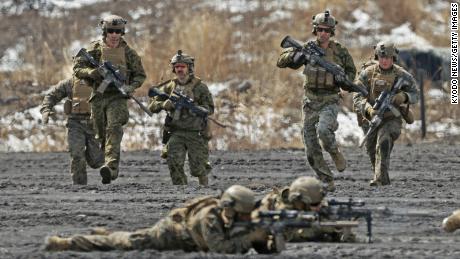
236,44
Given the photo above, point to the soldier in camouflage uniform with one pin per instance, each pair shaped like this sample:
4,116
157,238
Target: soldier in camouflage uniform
110,109
188,133
321,97
204,224
452,223
377,77
80,134
305,194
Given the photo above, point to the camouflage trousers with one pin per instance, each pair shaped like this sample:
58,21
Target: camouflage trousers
110,112
83,149
166,234
379,145
181,144
319,125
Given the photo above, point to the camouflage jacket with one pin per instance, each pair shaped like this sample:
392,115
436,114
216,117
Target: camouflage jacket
203,220
276,200
59,91
371,70
184,119
135,71
341,57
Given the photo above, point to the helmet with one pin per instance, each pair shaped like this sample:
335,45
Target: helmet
113,22
306,189
181,57
325,19
386,49
240,198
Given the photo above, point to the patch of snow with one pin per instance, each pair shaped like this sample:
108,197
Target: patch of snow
443,128
139,12
11,60
363,21
72,4
278,15
348,133
404,36
233,6
216,88
436,94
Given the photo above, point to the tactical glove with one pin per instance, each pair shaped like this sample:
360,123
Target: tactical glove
370,112
298,58
340,78
399,98
168,105
128,89
46,116
95,74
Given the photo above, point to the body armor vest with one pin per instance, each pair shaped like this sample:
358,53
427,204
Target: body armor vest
186,90
117,57
183,119
317,77
380,82
81,92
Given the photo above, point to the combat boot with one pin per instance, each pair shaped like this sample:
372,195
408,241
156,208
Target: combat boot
56,243
339,160
164,152
106,174
374,183
203,180
114,174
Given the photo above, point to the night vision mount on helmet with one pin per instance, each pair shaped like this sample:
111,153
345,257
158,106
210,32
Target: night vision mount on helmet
324,19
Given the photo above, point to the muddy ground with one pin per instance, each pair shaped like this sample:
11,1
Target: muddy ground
37,199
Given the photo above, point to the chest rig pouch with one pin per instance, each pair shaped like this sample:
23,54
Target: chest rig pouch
81,92
117,57
186,90
380,82
317,77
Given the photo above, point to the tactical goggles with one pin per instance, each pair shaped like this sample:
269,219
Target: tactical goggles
117,31
327,30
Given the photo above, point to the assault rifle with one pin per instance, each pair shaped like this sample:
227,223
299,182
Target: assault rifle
277,221
180,101
314,55
344,210
111,75
383,104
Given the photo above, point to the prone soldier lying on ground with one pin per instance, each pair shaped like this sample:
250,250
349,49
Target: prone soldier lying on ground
203,224
306,195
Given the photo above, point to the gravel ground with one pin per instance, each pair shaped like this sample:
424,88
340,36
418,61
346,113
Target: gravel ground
37,200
